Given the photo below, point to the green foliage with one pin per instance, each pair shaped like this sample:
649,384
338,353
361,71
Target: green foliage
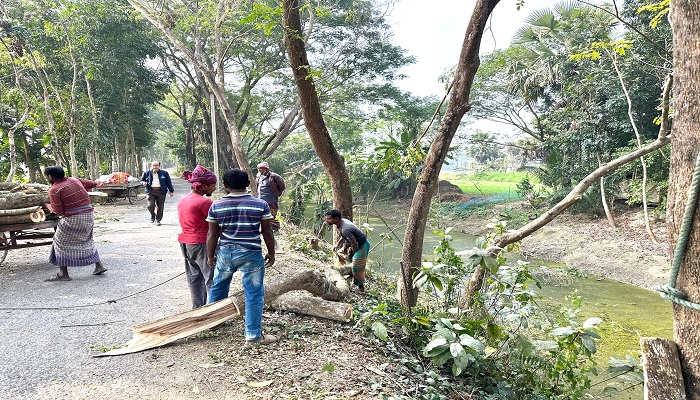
504,346
533,194
661,9
442,275
303,191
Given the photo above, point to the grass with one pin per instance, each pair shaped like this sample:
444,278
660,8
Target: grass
489,183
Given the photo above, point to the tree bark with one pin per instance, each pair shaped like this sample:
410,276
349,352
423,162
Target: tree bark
663,378
22,200
685,23
333,162
427,183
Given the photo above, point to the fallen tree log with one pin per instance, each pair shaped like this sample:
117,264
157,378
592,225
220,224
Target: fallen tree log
37,215
19,211
170,329
314,307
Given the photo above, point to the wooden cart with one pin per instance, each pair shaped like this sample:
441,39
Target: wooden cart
30,234
114,191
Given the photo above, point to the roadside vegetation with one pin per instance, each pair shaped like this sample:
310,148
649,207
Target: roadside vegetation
581,89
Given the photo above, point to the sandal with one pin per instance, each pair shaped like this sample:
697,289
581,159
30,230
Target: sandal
99,269
263,339
58,277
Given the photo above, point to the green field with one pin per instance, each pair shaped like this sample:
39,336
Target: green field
489,183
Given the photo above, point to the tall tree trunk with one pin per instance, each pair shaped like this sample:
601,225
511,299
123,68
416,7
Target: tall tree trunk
13,146
34,174
603,197
685,23
208,70
93,163
630,115
427,183
332,161
73,111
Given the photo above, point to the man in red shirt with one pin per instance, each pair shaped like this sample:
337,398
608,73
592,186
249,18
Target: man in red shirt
192,212
73,245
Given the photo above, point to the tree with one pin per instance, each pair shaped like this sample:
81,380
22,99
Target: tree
483,147
685,20
333,162
427,183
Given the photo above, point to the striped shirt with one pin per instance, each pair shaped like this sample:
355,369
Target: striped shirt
68,196
239,216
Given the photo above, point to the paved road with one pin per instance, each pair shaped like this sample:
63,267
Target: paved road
50,331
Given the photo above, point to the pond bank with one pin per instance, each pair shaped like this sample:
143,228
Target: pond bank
625,254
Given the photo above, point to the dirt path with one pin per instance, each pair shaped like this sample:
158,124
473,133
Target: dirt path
52,330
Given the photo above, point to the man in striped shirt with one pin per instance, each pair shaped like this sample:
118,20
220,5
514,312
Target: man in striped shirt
72,243
233,244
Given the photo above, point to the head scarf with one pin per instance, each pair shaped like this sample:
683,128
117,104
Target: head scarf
199,178
264,165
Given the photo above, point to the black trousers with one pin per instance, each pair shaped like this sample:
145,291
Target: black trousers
156,199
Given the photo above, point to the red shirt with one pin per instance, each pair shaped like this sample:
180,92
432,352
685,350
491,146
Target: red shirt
68,196
192,212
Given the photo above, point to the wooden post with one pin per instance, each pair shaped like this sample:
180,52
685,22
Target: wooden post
663,377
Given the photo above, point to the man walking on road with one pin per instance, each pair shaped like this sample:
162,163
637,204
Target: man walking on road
192,211
235,222
157,184
73,245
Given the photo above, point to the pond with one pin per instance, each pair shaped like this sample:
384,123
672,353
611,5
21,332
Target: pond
629,312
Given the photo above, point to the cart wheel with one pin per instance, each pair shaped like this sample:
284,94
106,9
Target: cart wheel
133,196
4,242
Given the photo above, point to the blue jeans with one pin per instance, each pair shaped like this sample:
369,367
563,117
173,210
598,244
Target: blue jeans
230,259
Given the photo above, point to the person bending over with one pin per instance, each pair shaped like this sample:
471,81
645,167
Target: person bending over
354,243
72,245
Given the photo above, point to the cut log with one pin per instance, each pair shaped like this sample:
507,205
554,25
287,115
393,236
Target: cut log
98,197
663,376
22,200
19,211
314,307
168,330
36,216
24,187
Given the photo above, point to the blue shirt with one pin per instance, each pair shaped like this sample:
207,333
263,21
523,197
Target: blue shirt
238,217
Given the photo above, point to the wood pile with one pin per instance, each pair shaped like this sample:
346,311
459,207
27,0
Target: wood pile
22,202
22,215
16,196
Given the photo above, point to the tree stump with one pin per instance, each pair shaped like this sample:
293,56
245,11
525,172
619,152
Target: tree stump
663,376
